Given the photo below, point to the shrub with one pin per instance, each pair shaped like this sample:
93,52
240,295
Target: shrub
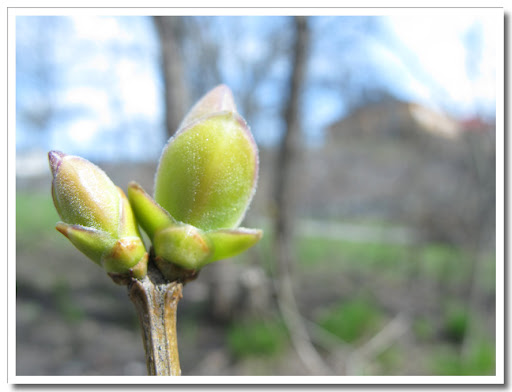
352,320
256,338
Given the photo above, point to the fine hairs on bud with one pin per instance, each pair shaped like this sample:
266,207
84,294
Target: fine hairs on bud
97,217
205,181
213,160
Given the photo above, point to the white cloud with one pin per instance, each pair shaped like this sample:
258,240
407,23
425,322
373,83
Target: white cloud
93,99
398,75
82,131
438,44
137,87
97,28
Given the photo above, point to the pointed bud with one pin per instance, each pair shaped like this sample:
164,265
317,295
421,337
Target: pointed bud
220,99
97,216
83,194
127,255
183,245
207,173
229,243
204,184
89,241
149,214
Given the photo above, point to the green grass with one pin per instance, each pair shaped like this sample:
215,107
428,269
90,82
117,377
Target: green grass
479,361
390,360
35,216
435,262
257,338
343,256
455,322
440,262
487,272
311,250
65,304
352,320
424,329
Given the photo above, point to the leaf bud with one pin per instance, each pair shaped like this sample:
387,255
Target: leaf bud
97,217
205,181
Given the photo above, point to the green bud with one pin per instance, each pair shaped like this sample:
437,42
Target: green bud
207,173
91,242
126,252
204,184
174,242
150,215
83,194
230,242
97,216
184,245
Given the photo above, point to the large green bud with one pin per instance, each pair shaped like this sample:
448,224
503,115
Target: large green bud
204,183
97,217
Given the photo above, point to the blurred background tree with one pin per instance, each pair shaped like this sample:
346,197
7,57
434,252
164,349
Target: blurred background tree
171,34
376,190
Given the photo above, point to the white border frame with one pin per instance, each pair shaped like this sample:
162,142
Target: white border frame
13,10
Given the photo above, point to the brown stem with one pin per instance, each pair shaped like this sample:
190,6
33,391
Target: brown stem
156,302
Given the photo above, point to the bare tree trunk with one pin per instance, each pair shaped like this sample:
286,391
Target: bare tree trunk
289,149
170,32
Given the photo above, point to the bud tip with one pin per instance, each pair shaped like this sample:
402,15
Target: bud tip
55,159
62,228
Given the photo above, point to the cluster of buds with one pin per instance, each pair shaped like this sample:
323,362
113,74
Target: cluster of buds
204,184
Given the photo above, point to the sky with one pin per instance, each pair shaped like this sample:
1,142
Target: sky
445,63
444,53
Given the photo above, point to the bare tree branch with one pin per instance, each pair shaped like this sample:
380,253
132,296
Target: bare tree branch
289,149
380,342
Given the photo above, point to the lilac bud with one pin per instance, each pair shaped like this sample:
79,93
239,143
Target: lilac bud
97,217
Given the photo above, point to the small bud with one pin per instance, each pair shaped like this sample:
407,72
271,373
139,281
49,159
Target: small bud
179,248
126,252
91,242
184,245
97,216
229,243
83,194
149,214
